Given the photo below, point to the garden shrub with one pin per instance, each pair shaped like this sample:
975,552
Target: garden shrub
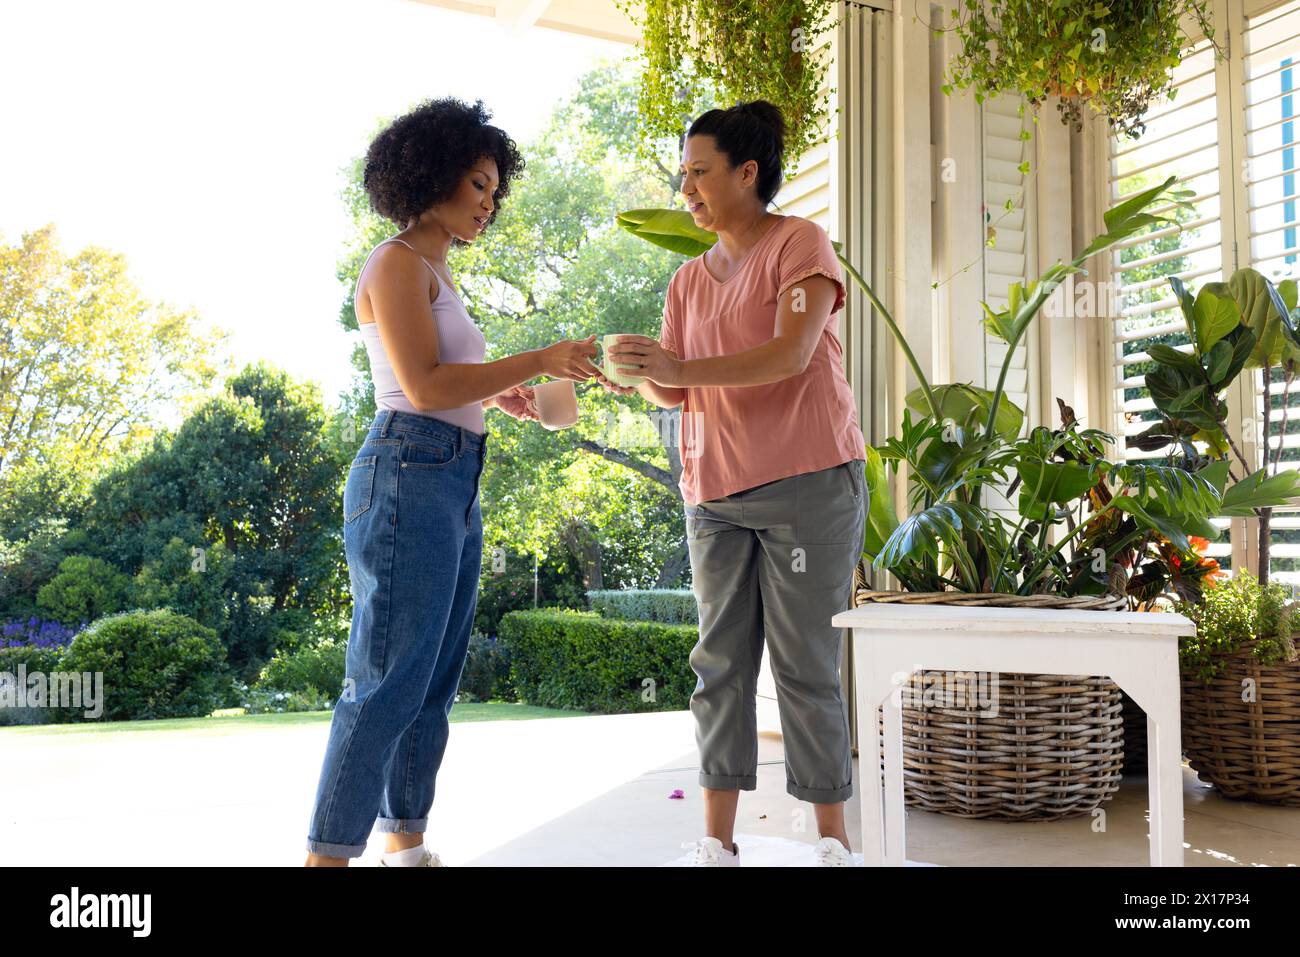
561,658
673,605
318,668
156,664
487,671
84,589
17,662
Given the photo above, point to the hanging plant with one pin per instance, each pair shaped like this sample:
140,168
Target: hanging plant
1116,56
700,52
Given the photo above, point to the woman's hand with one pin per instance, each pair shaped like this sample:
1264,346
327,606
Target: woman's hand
571,359
643,356
614,386
518,402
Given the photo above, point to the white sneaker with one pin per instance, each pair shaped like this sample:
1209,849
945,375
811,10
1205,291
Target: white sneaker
709,852
831,853
429,859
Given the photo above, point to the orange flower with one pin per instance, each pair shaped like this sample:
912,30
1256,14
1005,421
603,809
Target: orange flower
1199,545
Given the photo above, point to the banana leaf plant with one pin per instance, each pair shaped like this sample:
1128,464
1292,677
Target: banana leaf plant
1077,514
1237,326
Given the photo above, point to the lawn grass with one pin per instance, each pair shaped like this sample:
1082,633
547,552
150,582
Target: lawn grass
239,723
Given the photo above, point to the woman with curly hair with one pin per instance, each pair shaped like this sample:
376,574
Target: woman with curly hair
772,473
412,529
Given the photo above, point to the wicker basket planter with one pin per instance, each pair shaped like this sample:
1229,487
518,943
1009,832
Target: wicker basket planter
1135,735
1247,749
1053,750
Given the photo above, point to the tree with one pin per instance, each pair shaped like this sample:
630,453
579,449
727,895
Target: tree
250,488
86,362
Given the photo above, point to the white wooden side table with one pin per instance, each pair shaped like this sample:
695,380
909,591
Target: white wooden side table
1136,650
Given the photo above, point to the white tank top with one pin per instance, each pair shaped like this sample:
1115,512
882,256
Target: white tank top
459,340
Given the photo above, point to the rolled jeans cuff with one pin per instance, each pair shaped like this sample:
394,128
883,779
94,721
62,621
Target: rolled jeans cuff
401,825
335,850
729,782
820,795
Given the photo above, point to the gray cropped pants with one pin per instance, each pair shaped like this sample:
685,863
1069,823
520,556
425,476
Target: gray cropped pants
772,564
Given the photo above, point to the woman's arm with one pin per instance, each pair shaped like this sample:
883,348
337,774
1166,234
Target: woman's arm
663,396
801,315
399,300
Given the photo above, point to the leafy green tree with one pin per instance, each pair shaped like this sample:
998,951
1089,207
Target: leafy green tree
251,485
87,364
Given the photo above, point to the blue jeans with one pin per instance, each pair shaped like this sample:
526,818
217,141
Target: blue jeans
413,536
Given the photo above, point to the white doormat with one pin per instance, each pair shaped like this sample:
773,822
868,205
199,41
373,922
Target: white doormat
758,851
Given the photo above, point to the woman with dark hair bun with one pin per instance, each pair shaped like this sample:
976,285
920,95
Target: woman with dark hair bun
412,527
772,473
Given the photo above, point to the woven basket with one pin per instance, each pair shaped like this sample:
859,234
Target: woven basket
1246,749
1135,735
1053,750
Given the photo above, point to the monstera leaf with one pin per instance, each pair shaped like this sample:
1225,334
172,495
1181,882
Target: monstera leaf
918,536
957,401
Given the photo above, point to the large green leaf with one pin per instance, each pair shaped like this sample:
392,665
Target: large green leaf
1262,310
1056,482
673,229
1214,317
1259,490
881,517
956,402
1170,356
918,536
1128,217
1153,520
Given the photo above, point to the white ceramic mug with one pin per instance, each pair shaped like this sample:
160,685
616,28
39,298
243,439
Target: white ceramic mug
609,367
557,403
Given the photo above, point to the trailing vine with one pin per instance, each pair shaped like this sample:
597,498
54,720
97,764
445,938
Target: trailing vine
1117,56
698,52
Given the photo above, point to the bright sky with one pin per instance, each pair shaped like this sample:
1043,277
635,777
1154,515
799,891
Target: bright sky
205,141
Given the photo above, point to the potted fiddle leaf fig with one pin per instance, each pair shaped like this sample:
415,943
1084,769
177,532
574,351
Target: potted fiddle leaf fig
1240,673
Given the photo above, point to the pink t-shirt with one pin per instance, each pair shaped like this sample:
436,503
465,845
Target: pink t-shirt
736,437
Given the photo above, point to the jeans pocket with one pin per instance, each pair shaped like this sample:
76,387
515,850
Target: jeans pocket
360,488
428,452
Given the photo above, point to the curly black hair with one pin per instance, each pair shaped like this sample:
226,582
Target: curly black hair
420,158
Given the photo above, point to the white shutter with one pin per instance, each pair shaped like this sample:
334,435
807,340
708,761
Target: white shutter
1180,139
1006,260
1271,173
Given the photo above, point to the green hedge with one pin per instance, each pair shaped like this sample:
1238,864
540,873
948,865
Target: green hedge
674,605
36,659
577,659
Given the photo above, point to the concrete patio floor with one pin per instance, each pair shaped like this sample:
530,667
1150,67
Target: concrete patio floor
558,791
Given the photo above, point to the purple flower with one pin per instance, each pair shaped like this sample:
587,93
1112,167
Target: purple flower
35,633
677,795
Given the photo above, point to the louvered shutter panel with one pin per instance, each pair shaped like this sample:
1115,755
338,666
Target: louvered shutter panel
1006,252
1271,45
1180,139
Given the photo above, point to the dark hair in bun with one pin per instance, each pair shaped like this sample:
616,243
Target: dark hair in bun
748,131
